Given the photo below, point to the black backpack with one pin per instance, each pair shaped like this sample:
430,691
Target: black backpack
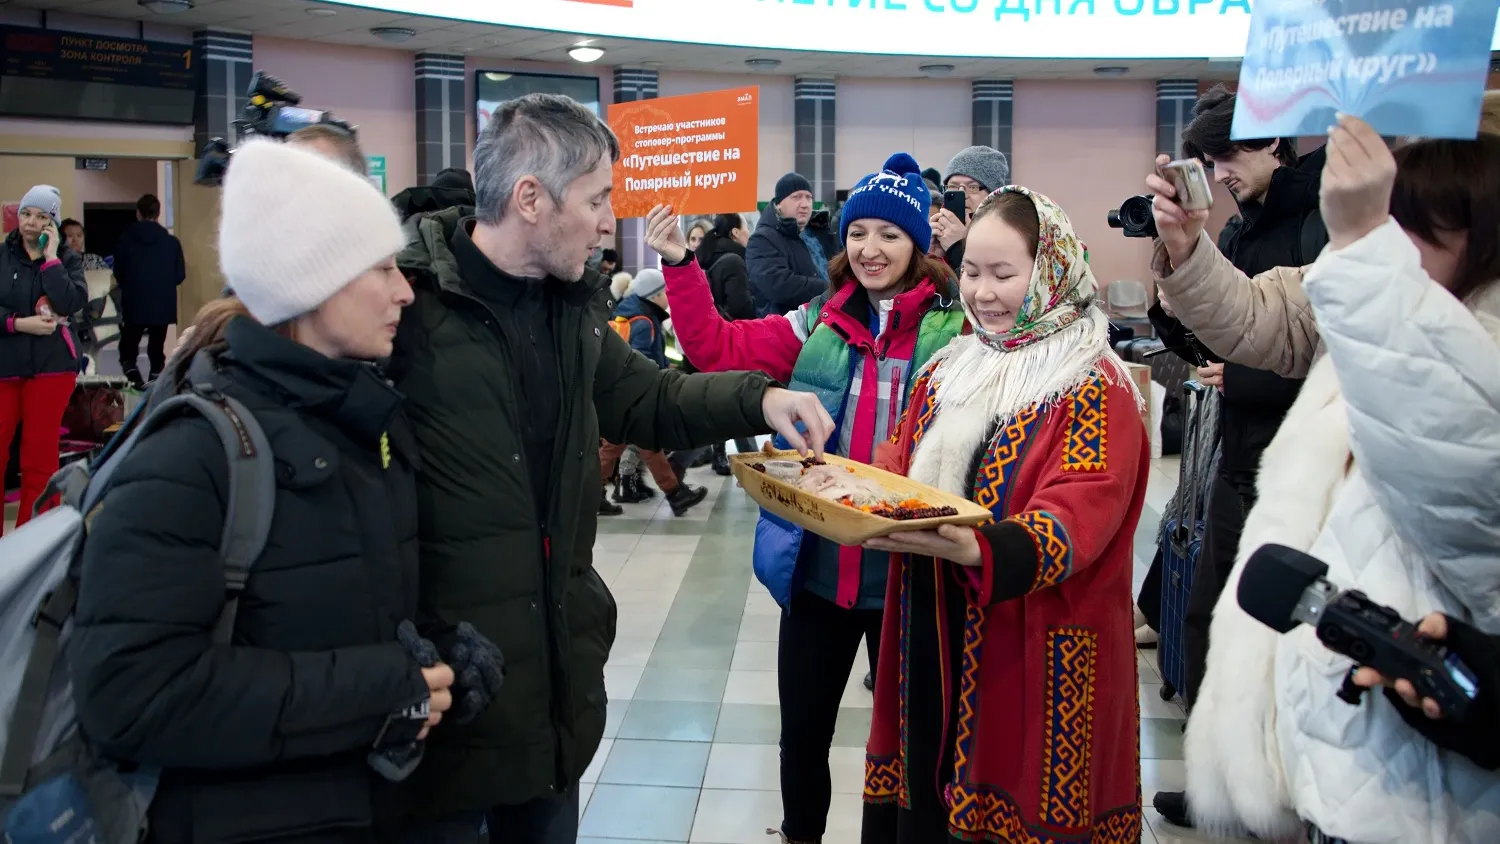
54,789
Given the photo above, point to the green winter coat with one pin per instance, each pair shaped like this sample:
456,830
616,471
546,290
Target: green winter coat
484,557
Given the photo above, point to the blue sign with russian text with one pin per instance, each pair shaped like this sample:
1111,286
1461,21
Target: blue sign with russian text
1405,68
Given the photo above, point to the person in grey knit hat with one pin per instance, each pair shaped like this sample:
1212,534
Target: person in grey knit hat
978,172
641,318
982,166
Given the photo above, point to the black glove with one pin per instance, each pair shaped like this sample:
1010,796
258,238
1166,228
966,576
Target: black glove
397,751
1478,735
478,671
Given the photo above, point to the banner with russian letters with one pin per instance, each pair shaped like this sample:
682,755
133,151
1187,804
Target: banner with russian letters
698,153
1405,68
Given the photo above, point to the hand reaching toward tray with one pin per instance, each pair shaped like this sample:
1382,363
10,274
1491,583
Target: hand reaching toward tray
784,409
949,542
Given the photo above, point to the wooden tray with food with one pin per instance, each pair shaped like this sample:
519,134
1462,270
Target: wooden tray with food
845,500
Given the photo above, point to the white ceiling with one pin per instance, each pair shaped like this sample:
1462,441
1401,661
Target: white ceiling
290,19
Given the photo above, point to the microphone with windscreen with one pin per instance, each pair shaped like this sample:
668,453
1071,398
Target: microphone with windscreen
1281,588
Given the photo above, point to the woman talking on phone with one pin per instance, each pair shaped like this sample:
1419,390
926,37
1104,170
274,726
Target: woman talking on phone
41,281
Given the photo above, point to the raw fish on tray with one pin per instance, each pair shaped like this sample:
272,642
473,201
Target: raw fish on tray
836,483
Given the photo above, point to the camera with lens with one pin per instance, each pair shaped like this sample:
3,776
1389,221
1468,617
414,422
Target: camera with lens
274,111
1134,217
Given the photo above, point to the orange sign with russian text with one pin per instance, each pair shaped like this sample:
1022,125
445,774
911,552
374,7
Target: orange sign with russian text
697,153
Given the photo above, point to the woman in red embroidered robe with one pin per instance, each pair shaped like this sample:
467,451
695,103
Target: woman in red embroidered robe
1006,704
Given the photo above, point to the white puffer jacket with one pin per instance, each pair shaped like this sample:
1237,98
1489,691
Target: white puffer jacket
1387,469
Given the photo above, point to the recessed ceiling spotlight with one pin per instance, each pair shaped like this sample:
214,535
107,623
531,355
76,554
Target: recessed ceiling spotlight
165,7
763,64
1111,70
585,54
936,69
393,34
321,12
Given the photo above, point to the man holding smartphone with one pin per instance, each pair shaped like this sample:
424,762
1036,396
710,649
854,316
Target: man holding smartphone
1279,225
977,172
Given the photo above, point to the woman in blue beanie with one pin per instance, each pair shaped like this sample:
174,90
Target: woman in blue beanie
888,308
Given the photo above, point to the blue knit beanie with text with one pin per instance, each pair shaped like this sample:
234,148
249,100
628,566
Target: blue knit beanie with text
897,194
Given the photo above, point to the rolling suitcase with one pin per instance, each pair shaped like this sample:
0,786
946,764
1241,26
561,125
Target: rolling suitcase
1182,530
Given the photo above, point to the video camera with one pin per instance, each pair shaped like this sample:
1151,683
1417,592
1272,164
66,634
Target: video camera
273,112
1281,588
1134,216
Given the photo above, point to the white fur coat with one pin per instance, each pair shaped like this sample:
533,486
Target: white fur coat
1388,469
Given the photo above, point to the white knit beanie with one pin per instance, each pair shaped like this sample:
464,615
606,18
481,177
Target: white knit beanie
295,228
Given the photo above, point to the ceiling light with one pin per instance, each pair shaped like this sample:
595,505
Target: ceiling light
322,12
585,54
936,69
764,64
393,34
166,7
1111,70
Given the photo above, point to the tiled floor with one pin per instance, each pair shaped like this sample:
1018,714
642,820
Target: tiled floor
690,749
690,753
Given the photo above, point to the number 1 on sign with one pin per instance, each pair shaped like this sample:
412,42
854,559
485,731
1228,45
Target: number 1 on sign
187,59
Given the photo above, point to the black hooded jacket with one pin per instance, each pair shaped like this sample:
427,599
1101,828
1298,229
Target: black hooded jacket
723,261
149,267
267,739
1285,231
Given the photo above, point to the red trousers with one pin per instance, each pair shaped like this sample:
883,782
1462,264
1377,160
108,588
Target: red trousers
37,404
656,462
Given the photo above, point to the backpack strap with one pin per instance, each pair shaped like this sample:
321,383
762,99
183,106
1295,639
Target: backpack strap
252,478
651,326
36,679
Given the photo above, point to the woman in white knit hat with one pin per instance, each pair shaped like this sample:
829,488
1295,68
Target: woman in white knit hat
278,737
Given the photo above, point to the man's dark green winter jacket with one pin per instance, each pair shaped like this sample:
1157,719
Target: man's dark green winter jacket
527,583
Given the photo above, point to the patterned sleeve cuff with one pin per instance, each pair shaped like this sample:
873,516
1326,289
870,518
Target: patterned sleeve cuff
1023,554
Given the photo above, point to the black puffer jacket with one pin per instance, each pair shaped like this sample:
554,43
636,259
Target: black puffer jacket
728,277
783,276
265,740
508,544
23,283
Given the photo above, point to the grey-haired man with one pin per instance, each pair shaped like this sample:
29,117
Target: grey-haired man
512,375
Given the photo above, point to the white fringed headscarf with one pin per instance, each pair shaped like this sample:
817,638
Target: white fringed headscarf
1060,341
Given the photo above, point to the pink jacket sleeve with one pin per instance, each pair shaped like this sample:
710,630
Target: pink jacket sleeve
713,344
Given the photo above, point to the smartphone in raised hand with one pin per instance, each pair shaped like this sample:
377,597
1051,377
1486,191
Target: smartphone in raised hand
956,202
